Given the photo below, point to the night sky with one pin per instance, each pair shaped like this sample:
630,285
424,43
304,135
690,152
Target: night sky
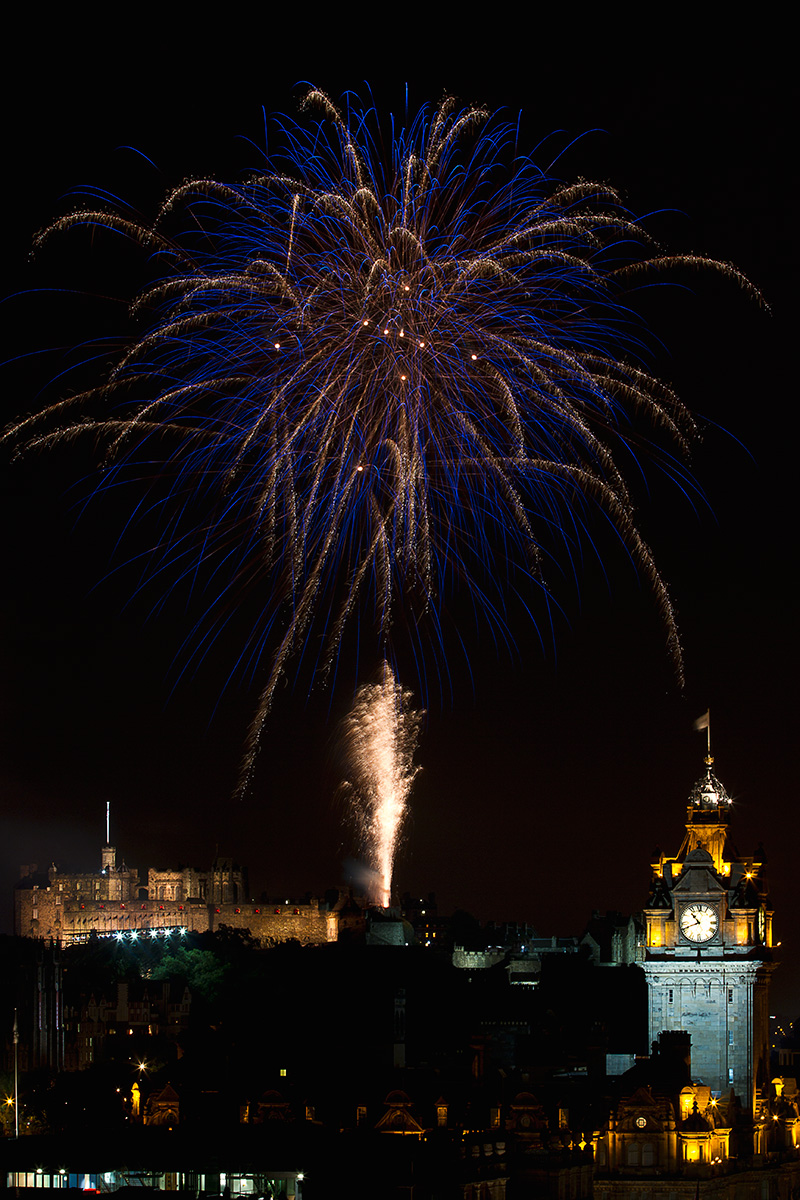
550,775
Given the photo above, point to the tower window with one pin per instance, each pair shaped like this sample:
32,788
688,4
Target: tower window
670,996
730,1074
730,1037
730,995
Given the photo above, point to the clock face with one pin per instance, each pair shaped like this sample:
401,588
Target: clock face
699,922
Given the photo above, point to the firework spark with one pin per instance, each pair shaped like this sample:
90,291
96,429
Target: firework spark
380,738
374,379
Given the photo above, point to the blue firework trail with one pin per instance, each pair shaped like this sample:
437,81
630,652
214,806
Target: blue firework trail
387,372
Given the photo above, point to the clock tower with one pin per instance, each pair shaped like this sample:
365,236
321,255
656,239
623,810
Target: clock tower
708,958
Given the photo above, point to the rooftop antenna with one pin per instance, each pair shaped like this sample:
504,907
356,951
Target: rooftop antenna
108,822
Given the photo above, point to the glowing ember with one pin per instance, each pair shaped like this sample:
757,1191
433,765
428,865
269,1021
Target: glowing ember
380,738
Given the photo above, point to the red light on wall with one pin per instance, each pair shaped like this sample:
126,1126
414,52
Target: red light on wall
122,905
180,908
258,910
102,905
237,910
216,910
277,911
297,912
161,907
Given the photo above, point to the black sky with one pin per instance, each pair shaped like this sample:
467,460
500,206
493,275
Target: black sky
549,778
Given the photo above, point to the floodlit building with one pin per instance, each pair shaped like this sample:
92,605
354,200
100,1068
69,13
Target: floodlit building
114,901
701,1114
709,950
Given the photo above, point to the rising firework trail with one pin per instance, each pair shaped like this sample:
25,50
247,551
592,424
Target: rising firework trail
379,739
395,370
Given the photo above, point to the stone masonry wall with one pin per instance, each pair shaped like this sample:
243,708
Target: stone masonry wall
43,912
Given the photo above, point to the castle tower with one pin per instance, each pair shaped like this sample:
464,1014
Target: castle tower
708,958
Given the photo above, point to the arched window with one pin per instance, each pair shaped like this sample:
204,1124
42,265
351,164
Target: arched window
649,1155
633,1154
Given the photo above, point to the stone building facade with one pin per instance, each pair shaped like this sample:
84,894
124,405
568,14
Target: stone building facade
701,1115
70,907
708,954
669,1136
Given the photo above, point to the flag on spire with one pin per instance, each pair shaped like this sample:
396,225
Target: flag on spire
704,722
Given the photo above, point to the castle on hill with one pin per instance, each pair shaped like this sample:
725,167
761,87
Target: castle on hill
69,907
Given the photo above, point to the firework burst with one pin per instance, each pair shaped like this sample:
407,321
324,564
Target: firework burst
389,372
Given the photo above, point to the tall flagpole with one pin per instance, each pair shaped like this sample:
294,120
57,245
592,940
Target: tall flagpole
704,722
16,1076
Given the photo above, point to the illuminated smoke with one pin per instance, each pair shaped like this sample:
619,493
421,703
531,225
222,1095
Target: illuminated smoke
380,737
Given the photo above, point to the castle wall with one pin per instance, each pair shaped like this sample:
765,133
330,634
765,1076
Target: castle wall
272,923
76,920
